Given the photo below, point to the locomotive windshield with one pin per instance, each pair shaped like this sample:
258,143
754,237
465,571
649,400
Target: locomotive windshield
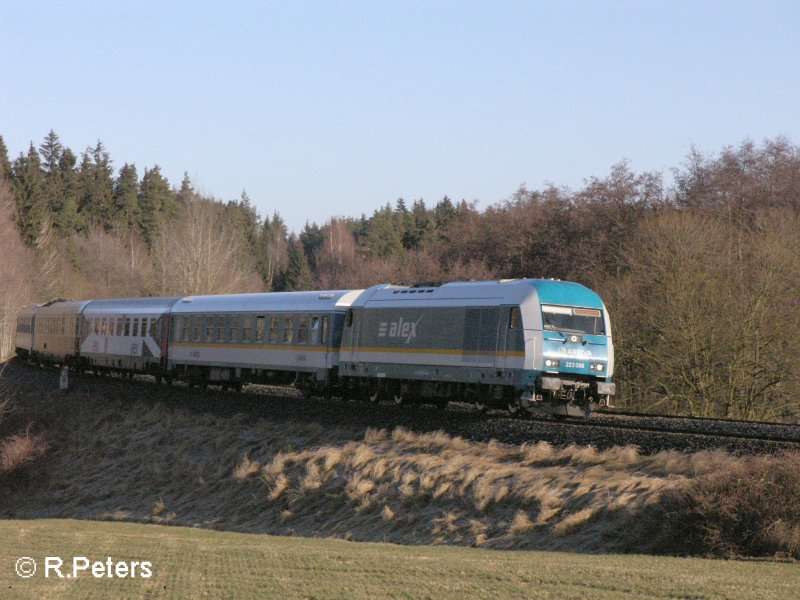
577,320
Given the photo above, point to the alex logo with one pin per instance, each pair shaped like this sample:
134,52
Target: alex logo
401,328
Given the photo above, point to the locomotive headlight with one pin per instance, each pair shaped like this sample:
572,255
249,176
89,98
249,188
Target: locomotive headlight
552,363
597,366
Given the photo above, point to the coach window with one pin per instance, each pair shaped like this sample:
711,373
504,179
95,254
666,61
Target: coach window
197,326
178,329
288,329
302,330
513,318
323,338
236,325
274,325
247,329
219,321
315,329
260,328
127,327
119,327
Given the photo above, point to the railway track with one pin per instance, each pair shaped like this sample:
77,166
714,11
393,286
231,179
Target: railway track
649,433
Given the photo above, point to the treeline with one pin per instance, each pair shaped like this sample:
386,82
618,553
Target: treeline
701,276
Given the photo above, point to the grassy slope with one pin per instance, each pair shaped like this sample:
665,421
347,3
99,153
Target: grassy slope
200,563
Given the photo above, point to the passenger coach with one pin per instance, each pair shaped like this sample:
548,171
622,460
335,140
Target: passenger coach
282,337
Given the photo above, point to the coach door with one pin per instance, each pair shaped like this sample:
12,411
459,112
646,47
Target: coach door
165,323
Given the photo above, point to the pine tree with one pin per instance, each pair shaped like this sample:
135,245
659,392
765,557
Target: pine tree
96,195
5,163
186,193
298,274
65,218
51,150
156,202
385,237
312,240
272,254
28,181
126,198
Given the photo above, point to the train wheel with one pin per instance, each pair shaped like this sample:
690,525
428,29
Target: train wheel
513,408
480,406
374,397
398,399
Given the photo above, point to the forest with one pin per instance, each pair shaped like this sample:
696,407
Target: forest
700,270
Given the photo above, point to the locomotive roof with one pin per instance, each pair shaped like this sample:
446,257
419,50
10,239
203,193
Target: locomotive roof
268,302
482,293
130,306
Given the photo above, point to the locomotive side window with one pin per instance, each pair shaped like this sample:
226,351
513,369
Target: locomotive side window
513,317
349,322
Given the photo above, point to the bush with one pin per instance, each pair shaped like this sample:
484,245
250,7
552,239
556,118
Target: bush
749,508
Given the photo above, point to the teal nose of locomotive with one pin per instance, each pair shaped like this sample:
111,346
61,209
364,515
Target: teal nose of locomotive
577,353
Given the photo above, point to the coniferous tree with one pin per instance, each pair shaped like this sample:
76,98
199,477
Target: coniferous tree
312,240
28,180
155,201
298,274
186,193
96,197
65,215
51,150
126,198
272,255
385,238
5,163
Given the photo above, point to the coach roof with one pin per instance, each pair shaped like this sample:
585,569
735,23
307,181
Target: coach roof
131,306
268,302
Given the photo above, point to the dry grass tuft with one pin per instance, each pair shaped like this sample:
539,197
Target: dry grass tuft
19,451
245,469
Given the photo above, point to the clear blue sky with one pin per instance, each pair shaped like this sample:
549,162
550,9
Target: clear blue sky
335,108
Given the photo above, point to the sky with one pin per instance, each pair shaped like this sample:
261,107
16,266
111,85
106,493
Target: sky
334,108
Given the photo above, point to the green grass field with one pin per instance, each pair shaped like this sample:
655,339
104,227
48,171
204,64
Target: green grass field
195,563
